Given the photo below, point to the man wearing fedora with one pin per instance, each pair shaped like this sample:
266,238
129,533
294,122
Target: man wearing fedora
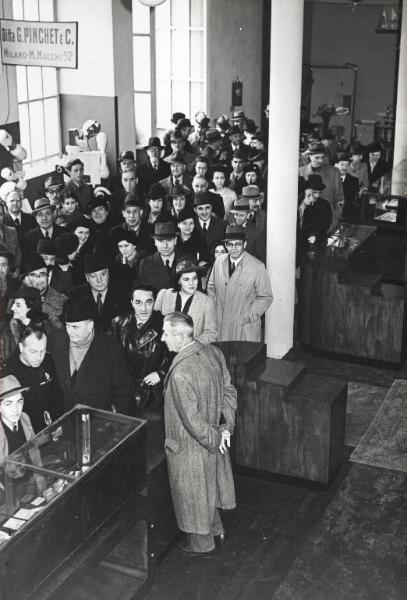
154,168
158,270
132,213
255,237
90,365
257,215
376,165
35,273
209,226
333,192
108,299
178,176
215,149
236,142
350,184
197,137
53,186
200,185
9,237
177,142
15,425
241,288
125,162
44,213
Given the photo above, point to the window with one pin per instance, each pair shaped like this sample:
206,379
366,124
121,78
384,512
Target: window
169,57
37,94
180,42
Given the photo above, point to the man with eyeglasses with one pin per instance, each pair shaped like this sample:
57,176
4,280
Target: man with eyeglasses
154,168
36,275
53,186
241,289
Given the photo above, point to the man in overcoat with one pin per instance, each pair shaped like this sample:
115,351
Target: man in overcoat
198,398
241,289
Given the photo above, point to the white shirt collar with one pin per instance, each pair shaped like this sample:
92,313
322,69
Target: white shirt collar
169,258
236,262
95,295
203,222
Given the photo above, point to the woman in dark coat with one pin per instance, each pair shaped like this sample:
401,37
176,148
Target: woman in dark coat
127,260
315,215
190,241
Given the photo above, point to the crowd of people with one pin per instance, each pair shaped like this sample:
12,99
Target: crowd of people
101,288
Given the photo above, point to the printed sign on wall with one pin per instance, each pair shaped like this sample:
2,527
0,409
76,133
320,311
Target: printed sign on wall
39,43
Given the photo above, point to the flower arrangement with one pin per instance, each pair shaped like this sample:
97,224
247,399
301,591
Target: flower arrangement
327,110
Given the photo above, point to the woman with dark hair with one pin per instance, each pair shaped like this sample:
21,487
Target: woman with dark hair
34,369
178,200
155,205
190,241
185,297
127,260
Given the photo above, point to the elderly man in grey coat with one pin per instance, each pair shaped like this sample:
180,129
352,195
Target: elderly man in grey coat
198,398
241,289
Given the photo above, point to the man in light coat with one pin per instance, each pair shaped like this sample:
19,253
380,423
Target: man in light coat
241,288
198,395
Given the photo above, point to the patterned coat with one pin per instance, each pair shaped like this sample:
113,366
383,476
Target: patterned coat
197,392
241,300
202,311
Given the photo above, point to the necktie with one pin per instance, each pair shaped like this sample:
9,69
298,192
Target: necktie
99,303
15,428
232,268
47,234
205,226
17,222
168,266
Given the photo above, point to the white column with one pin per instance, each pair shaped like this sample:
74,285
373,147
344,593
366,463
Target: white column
399,177
284,130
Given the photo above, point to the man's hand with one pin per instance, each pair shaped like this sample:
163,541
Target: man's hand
152,378
224,442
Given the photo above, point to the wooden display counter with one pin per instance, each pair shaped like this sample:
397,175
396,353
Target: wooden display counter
352,300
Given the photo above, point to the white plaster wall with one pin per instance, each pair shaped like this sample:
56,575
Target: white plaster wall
95,73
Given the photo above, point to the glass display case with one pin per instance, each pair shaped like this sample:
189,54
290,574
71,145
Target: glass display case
61,488
384,211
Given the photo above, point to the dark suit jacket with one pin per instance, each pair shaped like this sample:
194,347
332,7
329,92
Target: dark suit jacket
153,272
351,206
30,239
380,169
168,185
27,222
116,302
147,175
103,378
10,240
145,244
256,242
237,184
215,232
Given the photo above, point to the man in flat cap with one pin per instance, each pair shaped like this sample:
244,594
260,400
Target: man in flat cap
107,299
90,365
154,168
241,289
44,213
333,192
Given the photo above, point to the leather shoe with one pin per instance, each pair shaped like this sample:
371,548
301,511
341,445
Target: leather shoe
220,540
187,550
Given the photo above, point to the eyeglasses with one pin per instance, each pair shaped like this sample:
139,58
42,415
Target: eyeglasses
234,244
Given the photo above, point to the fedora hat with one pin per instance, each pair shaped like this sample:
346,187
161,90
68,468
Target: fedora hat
164,231
374,147
42,203
316,148
240,154
53,180
241,204
81,221
234,232
177,116
66,243
46,246
78,308
155,192
101,199
178,190
125,155
223,122
10,386
176,157
235,129
118,234
94,263
251,191
212,135
4,251
154,142
187,264
32,263
203,198
315,183
186,213
182,123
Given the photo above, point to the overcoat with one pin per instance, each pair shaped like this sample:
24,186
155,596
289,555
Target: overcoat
197,392
240,300
202,312
333,192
